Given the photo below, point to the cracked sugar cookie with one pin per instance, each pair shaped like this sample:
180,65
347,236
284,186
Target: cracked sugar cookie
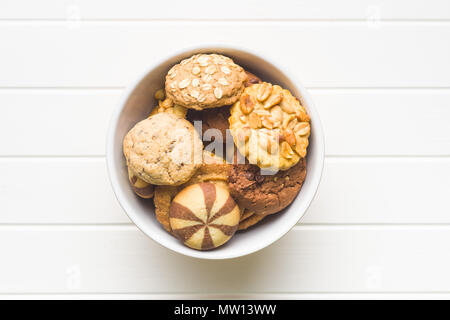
204,216
205,81
265,194
163,149
270,127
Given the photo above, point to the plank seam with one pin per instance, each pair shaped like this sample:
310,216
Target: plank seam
299,227
229,20
328,156
226,293
315,88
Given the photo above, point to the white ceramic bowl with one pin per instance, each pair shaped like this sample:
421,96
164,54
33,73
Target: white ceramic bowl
136,104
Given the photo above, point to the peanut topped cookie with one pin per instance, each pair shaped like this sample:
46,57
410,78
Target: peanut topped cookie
205,81
270,127
163,149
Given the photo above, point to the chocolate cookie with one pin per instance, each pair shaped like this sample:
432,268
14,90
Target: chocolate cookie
265,194
211,119
217,118
251,79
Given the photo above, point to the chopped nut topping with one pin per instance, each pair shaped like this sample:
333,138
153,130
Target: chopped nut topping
246,103
264,90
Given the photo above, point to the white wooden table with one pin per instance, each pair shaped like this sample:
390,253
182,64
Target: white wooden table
379,71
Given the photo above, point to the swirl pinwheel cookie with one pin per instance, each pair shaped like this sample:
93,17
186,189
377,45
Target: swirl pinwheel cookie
140,187
214,169
204,216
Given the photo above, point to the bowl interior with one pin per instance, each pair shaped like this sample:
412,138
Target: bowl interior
136,105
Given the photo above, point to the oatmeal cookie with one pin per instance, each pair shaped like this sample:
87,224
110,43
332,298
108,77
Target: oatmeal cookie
265,194
163,149
270,127
205,81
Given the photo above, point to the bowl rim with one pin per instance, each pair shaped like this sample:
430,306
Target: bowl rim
318,137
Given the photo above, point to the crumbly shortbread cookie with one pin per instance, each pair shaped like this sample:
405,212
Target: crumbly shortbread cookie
270,127
245,214
204,216
162,200
265,194
163,149
250,221
205,81
140,187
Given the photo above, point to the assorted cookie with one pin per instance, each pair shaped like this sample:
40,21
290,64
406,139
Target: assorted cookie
265,194
250,221
270,126
141,188
204,215
199,197
213,169
161,156
205,81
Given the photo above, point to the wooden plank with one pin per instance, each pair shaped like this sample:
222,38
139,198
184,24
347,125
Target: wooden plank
356,122
381,191
385,122
352,191
49,190
55,122
248,9
322,54
307,260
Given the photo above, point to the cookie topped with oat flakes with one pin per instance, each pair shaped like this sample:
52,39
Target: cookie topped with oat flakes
205,81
